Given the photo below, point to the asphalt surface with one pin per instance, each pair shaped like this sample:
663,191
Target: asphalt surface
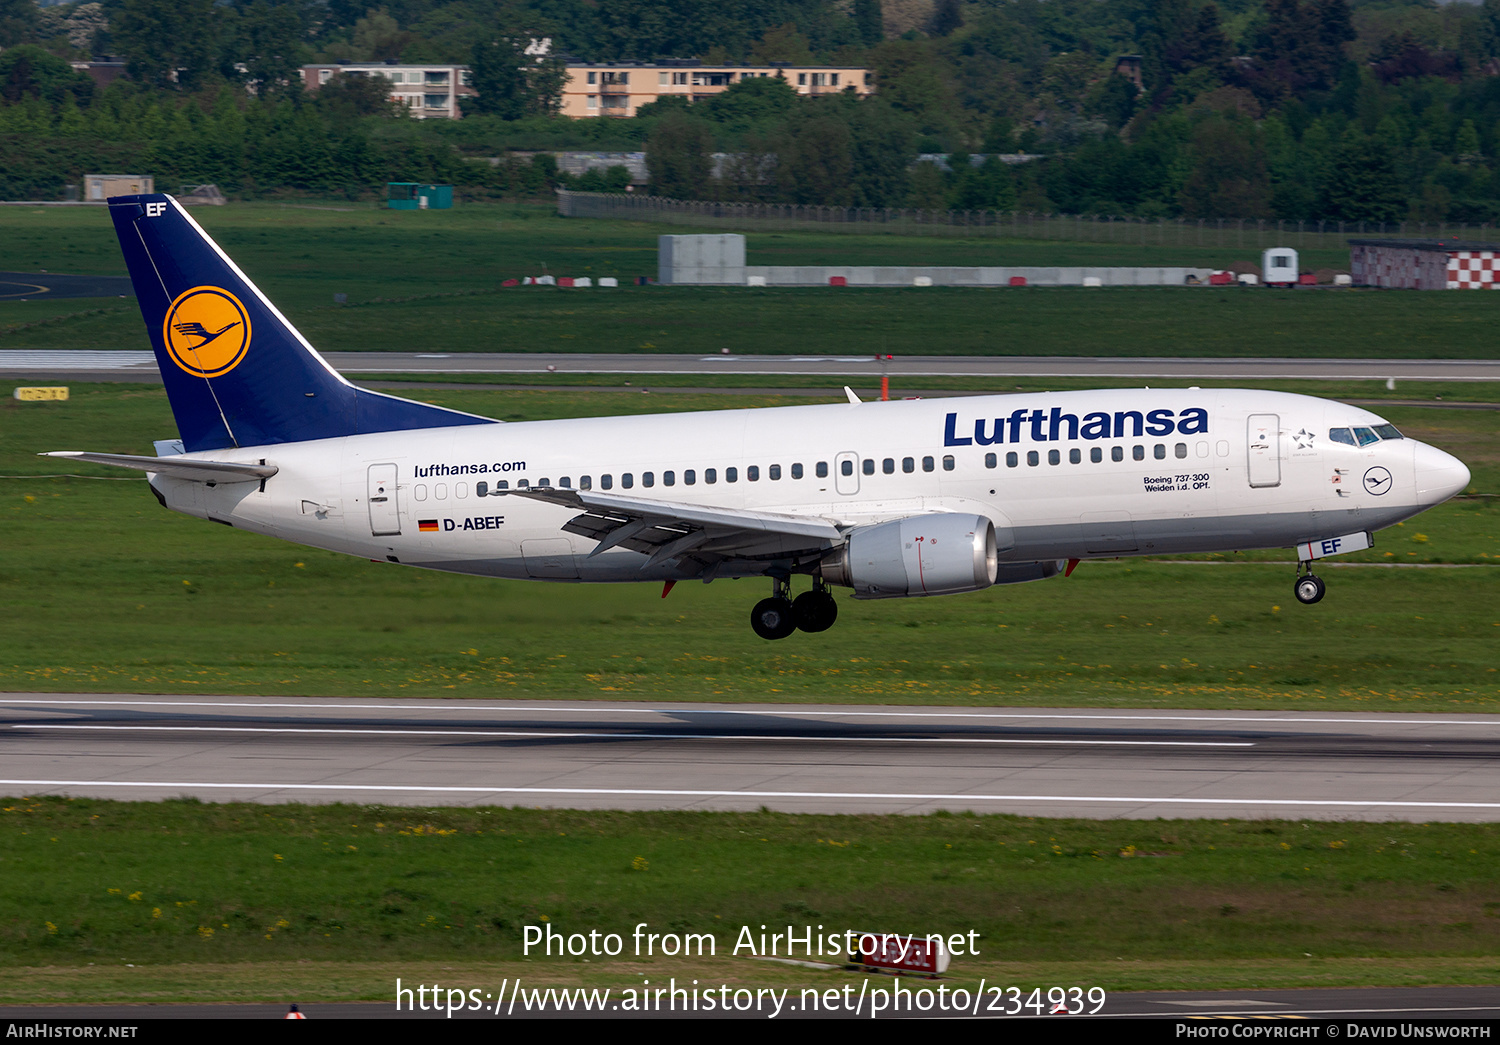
32,286
792,758
134,365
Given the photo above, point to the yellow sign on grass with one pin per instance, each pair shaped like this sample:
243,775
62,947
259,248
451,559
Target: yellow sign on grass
40,394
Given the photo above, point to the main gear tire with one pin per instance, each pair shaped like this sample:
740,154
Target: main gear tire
773,618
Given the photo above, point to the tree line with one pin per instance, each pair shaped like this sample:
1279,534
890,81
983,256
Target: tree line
1298,109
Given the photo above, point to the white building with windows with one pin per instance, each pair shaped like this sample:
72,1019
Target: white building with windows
431,92
619,88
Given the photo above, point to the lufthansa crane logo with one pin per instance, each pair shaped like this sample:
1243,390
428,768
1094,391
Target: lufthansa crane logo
206,331
1378,481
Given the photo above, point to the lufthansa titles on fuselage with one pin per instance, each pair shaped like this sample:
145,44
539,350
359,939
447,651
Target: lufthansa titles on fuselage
1050,426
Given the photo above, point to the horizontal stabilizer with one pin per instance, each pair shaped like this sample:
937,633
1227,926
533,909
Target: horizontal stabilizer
177,466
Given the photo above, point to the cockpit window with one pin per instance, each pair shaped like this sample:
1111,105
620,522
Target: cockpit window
1342,435
1388,432
1366,436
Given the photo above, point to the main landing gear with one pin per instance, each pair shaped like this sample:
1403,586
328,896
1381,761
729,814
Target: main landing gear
1308,589
779,616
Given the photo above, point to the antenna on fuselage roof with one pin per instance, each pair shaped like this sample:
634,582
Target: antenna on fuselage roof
853,399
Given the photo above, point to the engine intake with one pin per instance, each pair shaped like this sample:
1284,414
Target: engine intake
919,555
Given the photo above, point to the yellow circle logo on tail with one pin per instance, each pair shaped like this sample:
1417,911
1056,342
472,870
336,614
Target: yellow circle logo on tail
207,331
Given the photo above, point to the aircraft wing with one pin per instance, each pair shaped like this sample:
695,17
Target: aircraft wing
663,531
177,466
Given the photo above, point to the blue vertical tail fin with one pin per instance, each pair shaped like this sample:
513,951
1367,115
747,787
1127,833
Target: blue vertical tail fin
236,372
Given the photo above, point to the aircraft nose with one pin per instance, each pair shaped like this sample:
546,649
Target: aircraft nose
1439,475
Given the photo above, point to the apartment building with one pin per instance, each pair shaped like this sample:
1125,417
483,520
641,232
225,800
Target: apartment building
620,88
431,92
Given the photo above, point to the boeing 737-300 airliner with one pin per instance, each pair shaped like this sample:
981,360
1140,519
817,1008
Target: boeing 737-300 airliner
891,499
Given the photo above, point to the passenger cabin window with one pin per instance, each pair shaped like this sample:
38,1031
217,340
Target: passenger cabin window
1033,458
627,480
846,467
668,479
908,464
1075,455
481,489
1159,451
752,473
822,469
1096,454
648,478
731,475
1054,457
1117,453
1138,453
690,477
868,466
948,463
990,460
774,472
796,471
888,466
1011,460
606,482
1180,450
928,464
710,475
585,482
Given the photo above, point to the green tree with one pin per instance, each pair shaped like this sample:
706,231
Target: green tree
869,20
750,101
1229,178
267,40
679,157
30,72
18,19
511,84
166,43
1363,184
350,95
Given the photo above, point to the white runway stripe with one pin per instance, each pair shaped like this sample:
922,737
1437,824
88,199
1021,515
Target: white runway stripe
62,360
542,735
1246,719
878,796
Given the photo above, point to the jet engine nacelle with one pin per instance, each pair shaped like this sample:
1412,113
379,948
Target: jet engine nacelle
920,555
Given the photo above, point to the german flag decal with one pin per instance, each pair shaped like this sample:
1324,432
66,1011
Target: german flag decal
427,525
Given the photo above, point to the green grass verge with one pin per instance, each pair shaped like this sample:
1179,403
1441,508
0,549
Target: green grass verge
192,889
107,592
428,281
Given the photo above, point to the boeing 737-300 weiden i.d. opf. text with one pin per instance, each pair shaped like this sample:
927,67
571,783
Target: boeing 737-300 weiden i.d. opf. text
891,499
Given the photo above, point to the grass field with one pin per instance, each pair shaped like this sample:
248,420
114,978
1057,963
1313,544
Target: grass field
429,281
104,591
203,893
176,605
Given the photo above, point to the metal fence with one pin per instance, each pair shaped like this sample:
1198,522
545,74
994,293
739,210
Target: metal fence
1247,233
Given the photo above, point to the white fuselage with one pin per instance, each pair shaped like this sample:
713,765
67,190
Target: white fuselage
1101,473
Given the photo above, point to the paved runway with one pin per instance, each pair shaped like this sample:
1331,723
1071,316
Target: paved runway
32,286
134,365
1038,762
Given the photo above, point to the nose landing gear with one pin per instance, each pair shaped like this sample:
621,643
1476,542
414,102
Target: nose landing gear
1308,588
779,616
